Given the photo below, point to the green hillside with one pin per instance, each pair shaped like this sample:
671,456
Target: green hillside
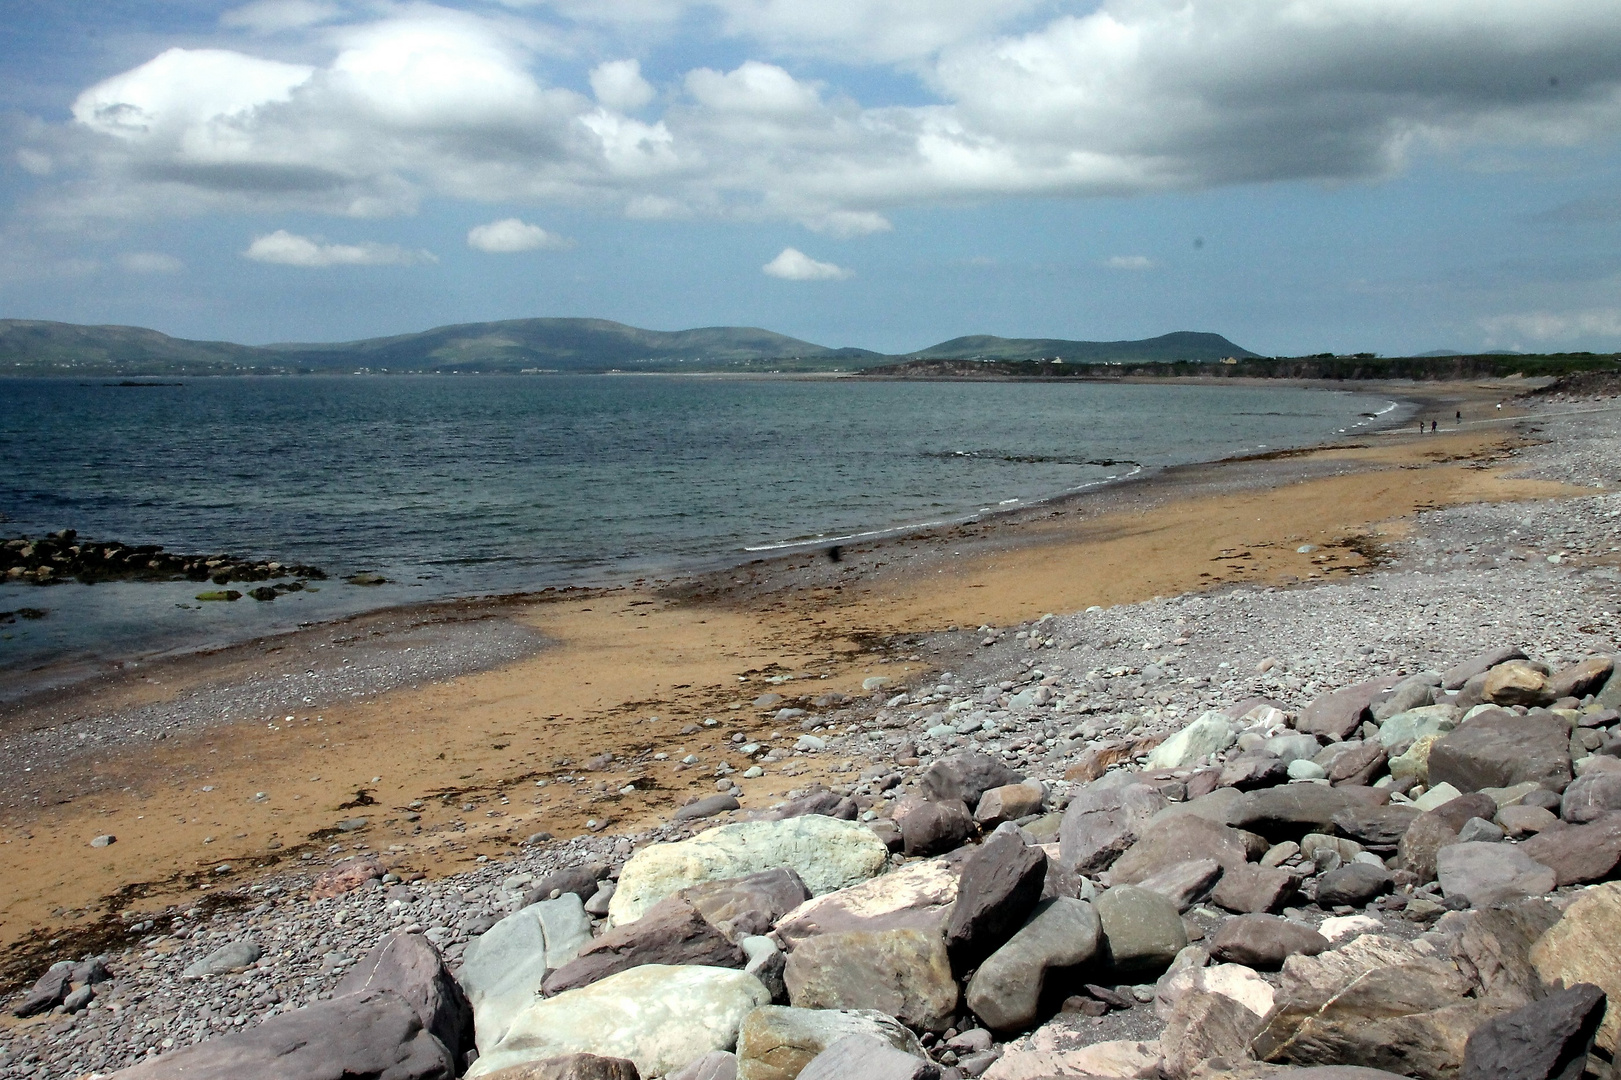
1184,345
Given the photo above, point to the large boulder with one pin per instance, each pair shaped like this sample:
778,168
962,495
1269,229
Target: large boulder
965,777
1579,854
1100,823
1353,885
870,1059
1264,941
1338,714
656,1016
1500,749
1184,883
1179,839
502,969
1291,811
408,965
1591,796
375,1033
672,932
746,906
1545,1040
1454,677
936,827
1210,734
1251,888
918,896
1581,678
1010,802
1142,930
1006,991
1518,682
1484,873
904,973
826,853
777,1042
1377,828
1584,946
1000,885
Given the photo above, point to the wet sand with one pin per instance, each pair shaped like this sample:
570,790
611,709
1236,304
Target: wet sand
445,771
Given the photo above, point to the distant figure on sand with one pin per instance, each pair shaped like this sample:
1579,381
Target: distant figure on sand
1460,416
1434,425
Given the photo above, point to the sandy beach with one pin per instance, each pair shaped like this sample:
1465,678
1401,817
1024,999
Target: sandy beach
599,695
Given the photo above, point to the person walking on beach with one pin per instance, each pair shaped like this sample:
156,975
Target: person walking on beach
1435,425
1460,416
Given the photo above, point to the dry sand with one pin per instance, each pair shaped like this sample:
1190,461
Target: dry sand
446,772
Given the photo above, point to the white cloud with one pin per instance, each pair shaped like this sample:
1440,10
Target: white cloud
1129,262
511,234
34,162
276,16
290,249
1545,326
618,84
150,262
794,265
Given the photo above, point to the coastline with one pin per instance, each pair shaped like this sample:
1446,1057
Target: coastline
592,667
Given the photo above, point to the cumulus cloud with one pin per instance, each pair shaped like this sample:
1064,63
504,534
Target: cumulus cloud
150,262
290,249
512,234
1129,262
794,265
276,16
413,101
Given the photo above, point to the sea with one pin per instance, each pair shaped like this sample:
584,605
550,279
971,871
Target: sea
462,486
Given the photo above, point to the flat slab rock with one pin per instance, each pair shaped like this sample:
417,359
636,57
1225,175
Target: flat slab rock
1484,874
870,1059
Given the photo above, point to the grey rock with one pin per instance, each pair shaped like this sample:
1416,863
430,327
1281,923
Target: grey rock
1481,830
1579,854
1500,749
742,907
410,967
1264,941
932,828
1185,883
1545,1040
965,777
49,991
1005,992
236,956
1251,888
1591,796
673,932
869,1059
776,1043
904,973
706,807
1142,930
502,970
1291,811
1101,823
1338,714
766,962
715,1065
1454,677
571,1067
1000,885
579,880
1487,874
1175,840
1375,827
1411,693
78,999
1354,884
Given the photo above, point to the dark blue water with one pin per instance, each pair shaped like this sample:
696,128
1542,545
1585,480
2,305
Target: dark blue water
454,486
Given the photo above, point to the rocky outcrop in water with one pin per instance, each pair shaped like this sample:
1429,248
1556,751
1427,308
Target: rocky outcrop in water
63,556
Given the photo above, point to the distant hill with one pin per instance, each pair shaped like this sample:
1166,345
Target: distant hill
1182,346
31,347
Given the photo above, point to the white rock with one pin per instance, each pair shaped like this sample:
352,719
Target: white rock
1437,796
658,1016
1241,984
502,969
1302,769
1206,735
1348,926
925,888
827,853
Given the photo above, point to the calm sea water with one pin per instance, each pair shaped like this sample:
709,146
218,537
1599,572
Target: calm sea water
455,486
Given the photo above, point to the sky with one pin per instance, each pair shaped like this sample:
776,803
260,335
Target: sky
1302,176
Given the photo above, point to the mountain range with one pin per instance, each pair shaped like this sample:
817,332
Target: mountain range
33,347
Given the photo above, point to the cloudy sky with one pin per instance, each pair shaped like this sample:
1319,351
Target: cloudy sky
1300,175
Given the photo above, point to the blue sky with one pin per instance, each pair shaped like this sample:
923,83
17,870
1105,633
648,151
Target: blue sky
1315,175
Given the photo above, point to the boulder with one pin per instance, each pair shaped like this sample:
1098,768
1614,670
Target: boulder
1264,941
1186,883
1517,682
715,1065
706,807
1483,874
1291,811
1591,796
819,801
1005,993
1545,1040
1353,885
1499,749
933,828
1495,945
502,969
1101,823
1000,885
1577,854
918,896
870,1059
745,906
1209,734
672,932
230,957
1454,677
1338,714
1584,946
659,1017
410,967
776,1043
1460,808
1096,759
1413,692
1414,762
571,1067
1253,770
964,778
904,973
1251,888
49,991
581,881
1358,765
1582,678
1142,930
375,1033
1375,827
1052,1054
1421,842
1420,723
1175,840
826,853
1010,802
1521,821
1206,1026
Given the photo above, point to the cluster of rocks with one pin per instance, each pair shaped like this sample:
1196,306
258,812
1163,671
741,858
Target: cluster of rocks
60,556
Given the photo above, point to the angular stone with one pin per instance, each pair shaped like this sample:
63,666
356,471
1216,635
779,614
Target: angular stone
581,881
1010,802
1500,749
745,906
1420,723
410,967
776,1043
1291,811
1252,771
1096,759
49,991
1142,930
1175,840
1582,678
826,853
1338,714
1494,946
1414,762
1522,821
672,932
1206,1026
1413,692
904,973
658,1017
1186,883
933,828
707,807
1375,827
870,1059
1099,825
1207,735
1358,766
1251,888
371,1034
965,777
1486,874
1353,884
1293,747
1460,808
235,956
1545,1040
1053,1054
1421,842
1584,946
1005,992
1000,885
571,1067
918,896
503,968
1437,796
1591,796
1264,941
1454,677
1578,854
1517,682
